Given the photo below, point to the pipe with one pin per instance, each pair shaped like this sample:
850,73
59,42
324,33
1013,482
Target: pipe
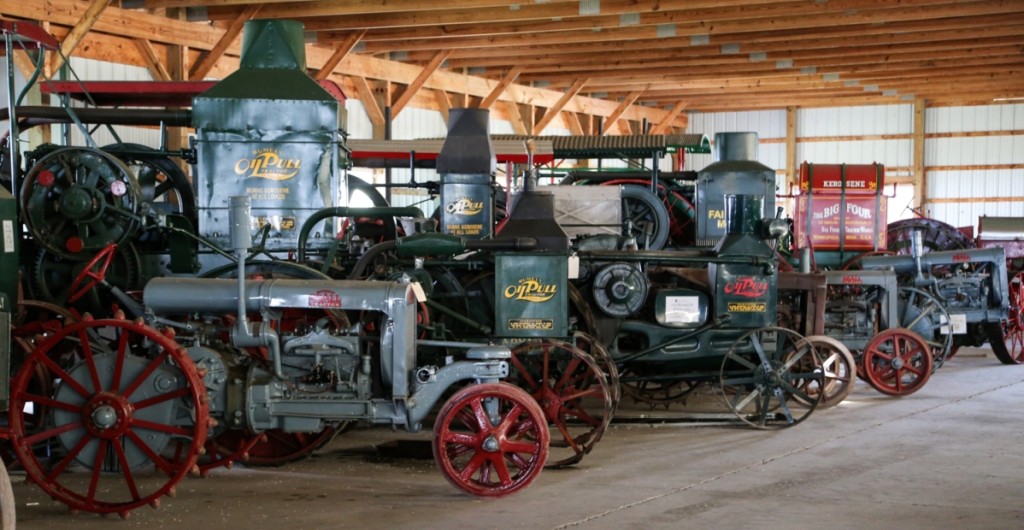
36,115
345,211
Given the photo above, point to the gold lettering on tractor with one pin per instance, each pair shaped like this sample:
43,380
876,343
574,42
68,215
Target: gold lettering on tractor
531,290
464,206
267,164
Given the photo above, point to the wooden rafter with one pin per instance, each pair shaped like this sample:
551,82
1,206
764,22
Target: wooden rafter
444,105
369,101
663,126
507,80
92,14
559,105
620,110
417,83
203,67
153,63
340,52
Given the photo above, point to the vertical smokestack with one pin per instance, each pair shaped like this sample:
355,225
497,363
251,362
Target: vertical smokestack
735,146
467,149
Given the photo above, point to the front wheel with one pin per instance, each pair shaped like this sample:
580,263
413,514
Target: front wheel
490,440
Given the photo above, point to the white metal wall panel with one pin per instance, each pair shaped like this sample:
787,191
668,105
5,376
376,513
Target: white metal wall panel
413,123
855,121
359,124
975,150
892,153
971,119
768,124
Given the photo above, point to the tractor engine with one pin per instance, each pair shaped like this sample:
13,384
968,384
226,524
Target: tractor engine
962,290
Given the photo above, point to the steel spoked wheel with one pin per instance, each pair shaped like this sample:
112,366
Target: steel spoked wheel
922,313
490,440
572,391
897,362
772,378
589,344
1011,351
132,392
839,367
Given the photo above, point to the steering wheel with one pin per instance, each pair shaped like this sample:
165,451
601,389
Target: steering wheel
89,278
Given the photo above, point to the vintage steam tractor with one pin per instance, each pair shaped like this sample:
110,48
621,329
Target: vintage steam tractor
109,413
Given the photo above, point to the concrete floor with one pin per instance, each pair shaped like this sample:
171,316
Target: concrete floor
948,456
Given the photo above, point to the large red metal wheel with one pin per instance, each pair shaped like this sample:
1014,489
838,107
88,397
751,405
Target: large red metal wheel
491,439
572,391
897,362
1011,351
132,392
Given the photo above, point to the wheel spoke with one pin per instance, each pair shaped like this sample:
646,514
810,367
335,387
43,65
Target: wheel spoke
89,361
150,368
155,400
67,427
68,458
126,469
47,401
94,480
160,427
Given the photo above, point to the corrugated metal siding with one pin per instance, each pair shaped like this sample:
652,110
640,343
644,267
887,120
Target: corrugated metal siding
855,121
960,193
892,153
768,124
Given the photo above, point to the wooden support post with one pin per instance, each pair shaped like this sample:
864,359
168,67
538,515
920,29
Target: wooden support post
791,162
920,178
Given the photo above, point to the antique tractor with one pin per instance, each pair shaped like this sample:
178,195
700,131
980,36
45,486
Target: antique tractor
898,334
676,319
970,284
212,355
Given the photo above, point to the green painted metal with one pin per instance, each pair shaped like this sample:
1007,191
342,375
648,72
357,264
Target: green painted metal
268,131
531,295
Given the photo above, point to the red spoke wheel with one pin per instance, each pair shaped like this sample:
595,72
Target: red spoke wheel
490,439
603,358
270,448
897,362
572,391
1011,351
132,393
771,378
839,367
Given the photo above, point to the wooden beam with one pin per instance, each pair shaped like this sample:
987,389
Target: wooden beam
572,121
232,32
559,105
92,14
621,109
662,126
920,178
369,101
507,80
516,117
444,105
153,63
417,83
791,162
340,52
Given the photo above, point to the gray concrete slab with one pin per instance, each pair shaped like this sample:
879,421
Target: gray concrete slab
948,456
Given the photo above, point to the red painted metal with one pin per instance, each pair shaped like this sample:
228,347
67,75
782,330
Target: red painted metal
484,459
897,362
27,35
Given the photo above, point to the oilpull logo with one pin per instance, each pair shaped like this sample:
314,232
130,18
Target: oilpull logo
267,164
747,288
530,290
464,206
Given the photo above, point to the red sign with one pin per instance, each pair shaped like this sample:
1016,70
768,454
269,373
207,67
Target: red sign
961,258
850,179
851,280
835,224
324,298
747,288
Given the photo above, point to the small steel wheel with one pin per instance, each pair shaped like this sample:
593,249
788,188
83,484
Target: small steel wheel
132,393
897,362
772,378
270,448
572,391
490,439
839,366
